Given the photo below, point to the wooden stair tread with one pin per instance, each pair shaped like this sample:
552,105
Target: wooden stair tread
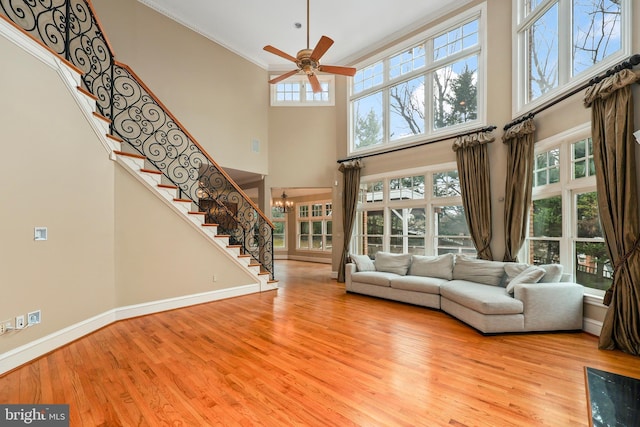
210,225
182,200
263,273
133,155
168,186
86,93
234,246
244,256
197,213
101,117
222,236
151,171
115,138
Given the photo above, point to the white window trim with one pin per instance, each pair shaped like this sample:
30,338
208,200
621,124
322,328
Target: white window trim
429,203
310,219
302,78
567,191
479,12
518,80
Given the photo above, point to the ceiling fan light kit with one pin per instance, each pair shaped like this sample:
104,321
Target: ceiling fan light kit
308,61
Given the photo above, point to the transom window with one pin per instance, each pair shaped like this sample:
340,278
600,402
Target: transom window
297,91
562,43
400,215
429,86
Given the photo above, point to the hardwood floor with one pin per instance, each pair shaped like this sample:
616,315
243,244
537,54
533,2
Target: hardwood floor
312,355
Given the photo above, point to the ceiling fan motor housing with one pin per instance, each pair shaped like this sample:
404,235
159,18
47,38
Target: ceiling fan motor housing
305,63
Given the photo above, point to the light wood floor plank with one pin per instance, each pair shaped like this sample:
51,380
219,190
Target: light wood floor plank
312,355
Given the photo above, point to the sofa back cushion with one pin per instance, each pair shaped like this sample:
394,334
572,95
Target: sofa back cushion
478,270
393,263
440,267
363,262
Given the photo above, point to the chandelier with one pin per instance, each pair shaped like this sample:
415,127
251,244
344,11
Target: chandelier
283,205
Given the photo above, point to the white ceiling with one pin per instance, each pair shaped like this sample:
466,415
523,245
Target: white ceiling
246,26
357,27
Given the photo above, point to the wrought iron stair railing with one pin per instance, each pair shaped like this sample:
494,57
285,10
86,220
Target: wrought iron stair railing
70,29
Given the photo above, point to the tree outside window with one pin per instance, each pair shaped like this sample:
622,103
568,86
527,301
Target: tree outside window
562,39
389,97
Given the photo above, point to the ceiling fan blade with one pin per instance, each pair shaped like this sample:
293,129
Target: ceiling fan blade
321,48
315,84
334,69
280,53
284,76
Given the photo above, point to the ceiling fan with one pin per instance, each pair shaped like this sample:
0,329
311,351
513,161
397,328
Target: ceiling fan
308,61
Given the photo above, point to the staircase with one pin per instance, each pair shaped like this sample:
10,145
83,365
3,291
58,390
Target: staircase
145,138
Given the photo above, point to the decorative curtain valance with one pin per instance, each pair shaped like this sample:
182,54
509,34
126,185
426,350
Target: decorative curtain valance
517,193
612,113
474,173
351,178
473,139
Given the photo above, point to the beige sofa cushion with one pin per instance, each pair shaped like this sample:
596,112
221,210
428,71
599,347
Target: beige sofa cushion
430,285
485,299
553,272
393,263
432,266
531,274
478,270
363,262
379,278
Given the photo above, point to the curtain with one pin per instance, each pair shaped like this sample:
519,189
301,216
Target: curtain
473,171
351,174
611,103
519,141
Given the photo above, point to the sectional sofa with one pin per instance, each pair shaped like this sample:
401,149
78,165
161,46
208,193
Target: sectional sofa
491,296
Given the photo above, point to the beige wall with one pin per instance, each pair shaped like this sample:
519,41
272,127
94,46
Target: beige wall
159,255
219,97
55,174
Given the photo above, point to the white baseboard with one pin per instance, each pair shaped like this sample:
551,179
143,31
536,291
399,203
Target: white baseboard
14,358
310,259
591,326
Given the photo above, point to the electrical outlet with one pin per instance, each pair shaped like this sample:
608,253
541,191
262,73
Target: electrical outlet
5,326
20,322
34,317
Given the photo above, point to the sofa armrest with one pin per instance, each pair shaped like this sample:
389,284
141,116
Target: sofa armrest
349,269
551,306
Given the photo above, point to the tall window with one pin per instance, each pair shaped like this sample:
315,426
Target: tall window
565,41
279,220
417,213
564,226
427,86
315,226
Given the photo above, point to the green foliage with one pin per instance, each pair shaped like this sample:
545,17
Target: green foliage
368,130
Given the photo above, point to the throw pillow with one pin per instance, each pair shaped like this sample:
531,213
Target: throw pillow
478,270
553,272
531,274
432,266
363,262
393,263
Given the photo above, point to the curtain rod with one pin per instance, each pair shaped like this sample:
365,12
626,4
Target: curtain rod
626,64
484,129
